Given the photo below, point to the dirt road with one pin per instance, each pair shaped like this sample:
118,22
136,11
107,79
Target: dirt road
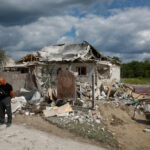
129,133
18,137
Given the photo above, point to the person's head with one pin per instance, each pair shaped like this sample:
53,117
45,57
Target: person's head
2,81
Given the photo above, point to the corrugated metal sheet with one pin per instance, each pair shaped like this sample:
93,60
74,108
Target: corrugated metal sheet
66,85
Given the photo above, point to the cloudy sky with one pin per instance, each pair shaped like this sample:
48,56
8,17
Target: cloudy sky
115,27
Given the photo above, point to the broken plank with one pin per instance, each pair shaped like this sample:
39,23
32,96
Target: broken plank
110,87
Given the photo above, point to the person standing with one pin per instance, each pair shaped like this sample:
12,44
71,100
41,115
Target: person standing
6,93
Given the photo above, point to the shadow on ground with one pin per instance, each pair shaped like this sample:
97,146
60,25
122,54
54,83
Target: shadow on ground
145,122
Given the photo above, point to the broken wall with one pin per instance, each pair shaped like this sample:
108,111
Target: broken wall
90,70
103,71
115,72
107,72
18,80
49,73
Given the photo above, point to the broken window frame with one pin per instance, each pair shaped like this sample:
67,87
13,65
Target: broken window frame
82,70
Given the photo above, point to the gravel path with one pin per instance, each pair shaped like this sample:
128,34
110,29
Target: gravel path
18,137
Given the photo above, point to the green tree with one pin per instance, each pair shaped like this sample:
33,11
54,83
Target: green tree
116,58
146,67
135,69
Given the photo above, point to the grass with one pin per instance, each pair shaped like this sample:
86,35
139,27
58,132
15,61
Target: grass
136,80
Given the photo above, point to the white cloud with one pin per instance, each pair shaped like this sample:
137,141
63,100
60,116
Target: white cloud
45,31
144,56
125,33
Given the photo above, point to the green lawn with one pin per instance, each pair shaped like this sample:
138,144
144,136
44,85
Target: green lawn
136,80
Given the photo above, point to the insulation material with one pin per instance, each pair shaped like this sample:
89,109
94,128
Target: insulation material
58,111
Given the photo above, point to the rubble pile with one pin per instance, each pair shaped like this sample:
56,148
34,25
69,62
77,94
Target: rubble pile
65,112
114,91
69,114
32,102
86,123
18,103
90,116
29,107
84,90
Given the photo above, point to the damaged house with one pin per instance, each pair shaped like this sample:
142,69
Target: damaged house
82,59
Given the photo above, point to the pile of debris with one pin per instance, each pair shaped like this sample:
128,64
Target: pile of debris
32,103
23,99
114,91
75,114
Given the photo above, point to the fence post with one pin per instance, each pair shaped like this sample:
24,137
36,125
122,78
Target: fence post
93,90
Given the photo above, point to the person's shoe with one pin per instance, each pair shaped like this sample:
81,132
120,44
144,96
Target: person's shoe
8,124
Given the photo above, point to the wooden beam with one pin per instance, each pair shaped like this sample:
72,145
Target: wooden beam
109,89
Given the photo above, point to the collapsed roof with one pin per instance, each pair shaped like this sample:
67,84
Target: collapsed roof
73,52
83,51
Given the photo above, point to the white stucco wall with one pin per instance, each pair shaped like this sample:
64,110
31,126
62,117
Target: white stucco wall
90,69
115,72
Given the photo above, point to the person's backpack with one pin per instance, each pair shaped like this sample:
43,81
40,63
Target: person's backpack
2,93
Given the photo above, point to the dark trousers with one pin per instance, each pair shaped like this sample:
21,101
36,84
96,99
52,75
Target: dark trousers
5,108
